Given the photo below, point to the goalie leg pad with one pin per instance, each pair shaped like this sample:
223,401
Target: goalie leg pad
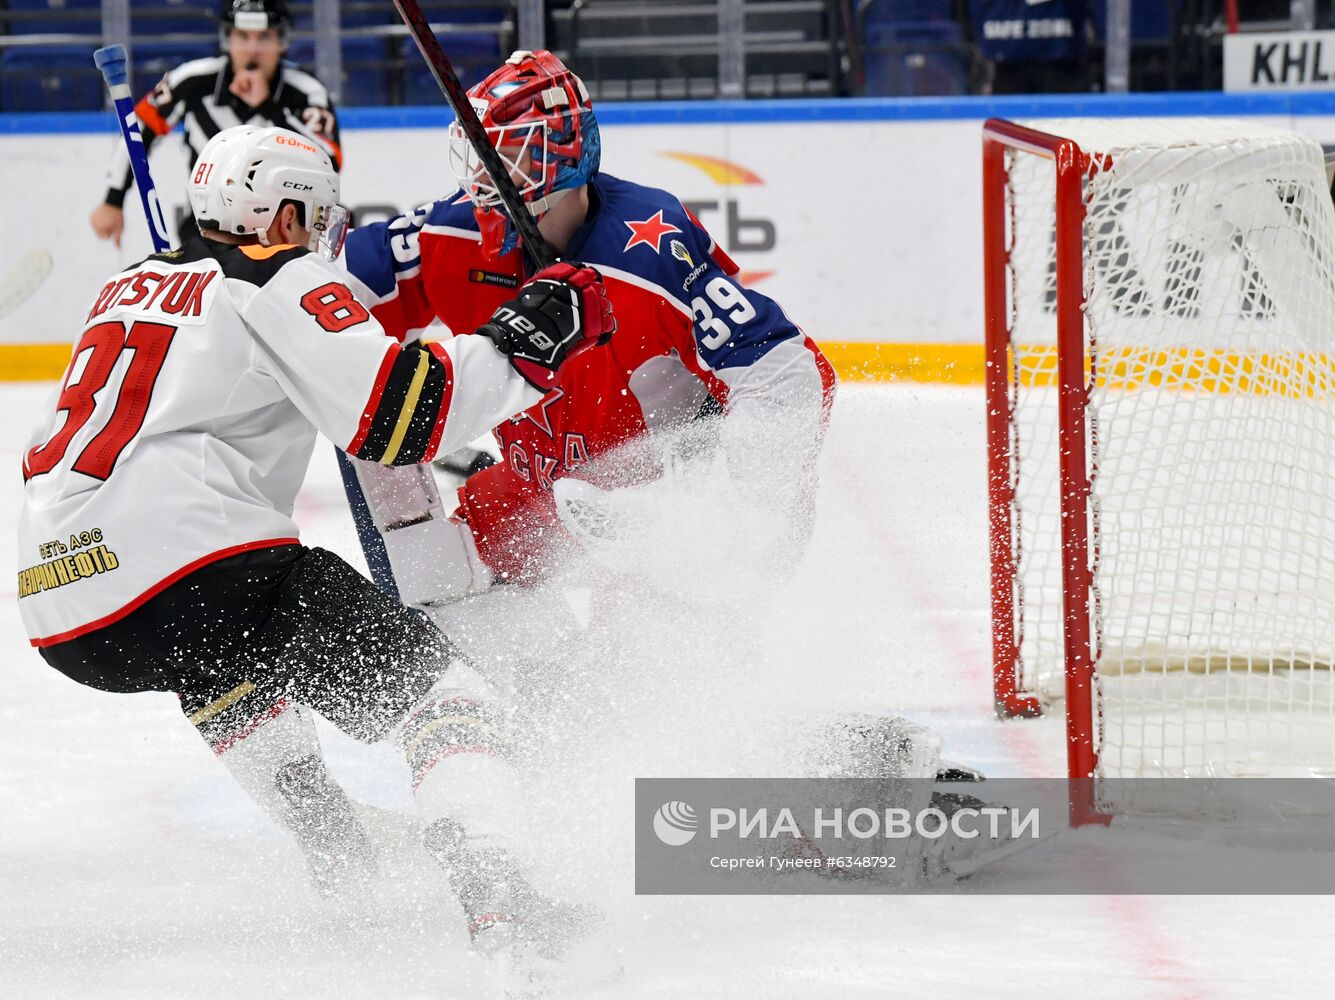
954,856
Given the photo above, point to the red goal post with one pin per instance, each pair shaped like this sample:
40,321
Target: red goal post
1069,164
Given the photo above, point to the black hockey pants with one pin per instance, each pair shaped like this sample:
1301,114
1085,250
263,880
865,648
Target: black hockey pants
241,635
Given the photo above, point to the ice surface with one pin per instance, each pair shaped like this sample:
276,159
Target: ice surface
131,866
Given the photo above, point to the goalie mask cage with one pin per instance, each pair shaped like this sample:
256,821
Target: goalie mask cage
1160,334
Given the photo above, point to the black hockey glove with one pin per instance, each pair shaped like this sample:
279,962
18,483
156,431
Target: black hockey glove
562,311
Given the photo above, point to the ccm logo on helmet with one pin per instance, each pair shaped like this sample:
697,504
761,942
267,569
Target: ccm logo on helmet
298,186
284,140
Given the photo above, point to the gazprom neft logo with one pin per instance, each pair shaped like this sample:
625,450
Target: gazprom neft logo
675,823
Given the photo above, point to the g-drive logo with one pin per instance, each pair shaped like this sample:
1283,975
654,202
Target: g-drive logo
676,823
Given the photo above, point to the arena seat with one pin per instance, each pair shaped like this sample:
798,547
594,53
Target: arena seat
50,78
473,57
920,59
53,17
365,77
905,11
152,60
151,18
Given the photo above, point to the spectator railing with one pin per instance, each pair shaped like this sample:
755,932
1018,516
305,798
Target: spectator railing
637,49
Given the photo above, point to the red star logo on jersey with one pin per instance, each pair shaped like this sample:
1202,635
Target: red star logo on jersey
543,407
650,232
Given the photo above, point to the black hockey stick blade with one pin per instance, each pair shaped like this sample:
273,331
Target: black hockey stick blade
539,251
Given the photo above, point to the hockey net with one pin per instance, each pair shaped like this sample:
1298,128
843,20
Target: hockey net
1161,397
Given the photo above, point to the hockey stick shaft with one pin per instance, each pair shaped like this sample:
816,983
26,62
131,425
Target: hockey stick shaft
539,251
114,64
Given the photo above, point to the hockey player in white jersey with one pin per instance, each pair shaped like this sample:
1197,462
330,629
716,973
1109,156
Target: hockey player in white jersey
157,546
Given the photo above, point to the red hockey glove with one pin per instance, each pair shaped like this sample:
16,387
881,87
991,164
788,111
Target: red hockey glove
560,312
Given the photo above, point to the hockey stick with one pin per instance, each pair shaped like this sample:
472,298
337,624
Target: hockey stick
539,251
23,279
113,63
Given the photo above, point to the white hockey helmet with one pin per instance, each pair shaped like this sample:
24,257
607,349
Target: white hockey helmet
245,174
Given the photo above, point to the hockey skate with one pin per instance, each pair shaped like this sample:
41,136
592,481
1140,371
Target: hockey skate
546,946
537,943
340,860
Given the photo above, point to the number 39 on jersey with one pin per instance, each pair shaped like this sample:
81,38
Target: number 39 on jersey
719,311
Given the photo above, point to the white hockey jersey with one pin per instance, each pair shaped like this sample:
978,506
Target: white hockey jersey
187,417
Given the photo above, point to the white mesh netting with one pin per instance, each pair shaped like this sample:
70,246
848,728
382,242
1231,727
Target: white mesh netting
1209,278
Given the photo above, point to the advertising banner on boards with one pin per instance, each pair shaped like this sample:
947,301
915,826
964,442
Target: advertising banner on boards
865,224
1281,61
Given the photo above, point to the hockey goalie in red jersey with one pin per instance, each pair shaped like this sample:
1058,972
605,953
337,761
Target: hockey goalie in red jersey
692,343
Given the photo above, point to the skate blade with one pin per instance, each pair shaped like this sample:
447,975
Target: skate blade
950,773
578,974
969,866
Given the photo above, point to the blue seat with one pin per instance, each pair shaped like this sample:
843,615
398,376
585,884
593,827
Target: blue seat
152,60
50,78
365,72
301,52
150,18
1150,22
349,16
49,17
874,12
462,13
923,59
473,57
365,80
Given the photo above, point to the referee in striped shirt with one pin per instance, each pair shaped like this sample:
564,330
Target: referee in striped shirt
248,84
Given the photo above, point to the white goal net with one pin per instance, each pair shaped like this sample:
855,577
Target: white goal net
1207,263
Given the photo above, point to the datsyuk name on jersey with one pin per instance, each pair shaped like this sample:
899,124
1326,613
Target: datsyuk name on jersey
182,295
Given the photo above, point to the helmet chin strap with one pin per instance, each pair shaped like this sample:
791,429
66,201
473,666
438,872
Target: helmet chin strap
506,234
539,208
